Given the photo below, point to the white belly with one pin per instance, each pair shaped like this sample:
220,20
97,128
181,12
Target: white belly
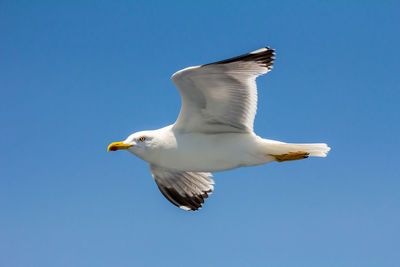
210,153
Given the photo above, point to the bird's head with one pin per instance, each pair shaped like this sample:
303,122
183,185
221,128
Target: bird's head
140,143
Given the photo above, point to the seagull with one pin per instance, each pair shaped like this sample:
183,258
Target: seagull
214,130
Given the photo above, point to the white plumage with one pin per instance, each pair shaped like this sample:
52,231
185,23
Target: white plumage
214,130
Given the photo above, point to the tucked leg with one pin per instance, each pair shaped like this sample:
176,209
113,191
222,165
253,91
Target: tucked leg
290,156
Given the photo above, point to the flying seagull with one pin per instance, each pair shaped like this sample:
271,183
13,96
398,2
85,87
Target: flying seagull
214,130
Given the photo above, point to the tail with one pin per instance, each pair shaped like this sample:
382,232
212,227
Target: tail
285,151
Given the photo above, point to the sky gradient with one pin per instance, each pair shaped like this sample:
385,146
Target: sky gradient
77,75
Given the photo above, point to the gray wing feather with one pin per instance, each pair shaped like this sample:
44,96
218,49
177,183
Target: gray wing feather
222,96
187,190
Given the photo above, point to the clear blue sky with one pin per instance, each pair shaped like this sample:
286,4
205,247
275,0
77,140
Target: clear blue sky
76,76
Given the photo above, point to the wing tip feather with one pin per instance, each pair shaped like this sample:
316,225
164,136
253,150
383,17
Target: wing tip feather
264,56
186,190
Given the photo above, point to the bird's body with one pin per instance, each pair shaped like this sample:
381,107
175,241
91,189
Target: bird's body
214,130
199,152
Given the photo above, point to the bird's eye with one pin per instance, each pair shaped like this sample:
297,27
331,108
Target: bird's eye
142,139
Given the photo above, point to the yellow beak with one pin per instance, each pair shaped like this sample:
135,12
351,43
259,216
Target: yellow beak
117,146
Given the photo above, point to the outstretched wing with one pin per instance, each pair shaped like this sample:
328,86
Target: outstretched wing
221,97
187,190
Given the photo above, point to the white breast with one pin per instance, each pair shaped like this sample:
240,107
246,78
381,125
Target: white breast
207,152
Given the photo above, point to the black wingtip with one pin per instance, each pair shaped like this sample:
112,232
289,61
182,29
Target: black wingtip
186,202
263,56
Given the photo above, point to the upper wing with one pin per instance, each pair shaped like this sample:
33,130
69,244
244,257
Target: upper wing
221,96
187,190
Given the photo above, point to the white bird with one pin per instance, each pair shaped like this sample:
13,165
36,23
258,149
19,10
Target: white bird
214,130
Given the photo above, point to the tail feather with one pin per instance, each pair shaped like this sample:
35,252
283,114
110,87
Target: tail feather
315,150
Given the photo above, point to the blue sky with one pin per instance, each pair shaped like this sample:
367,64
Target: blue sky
76,76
